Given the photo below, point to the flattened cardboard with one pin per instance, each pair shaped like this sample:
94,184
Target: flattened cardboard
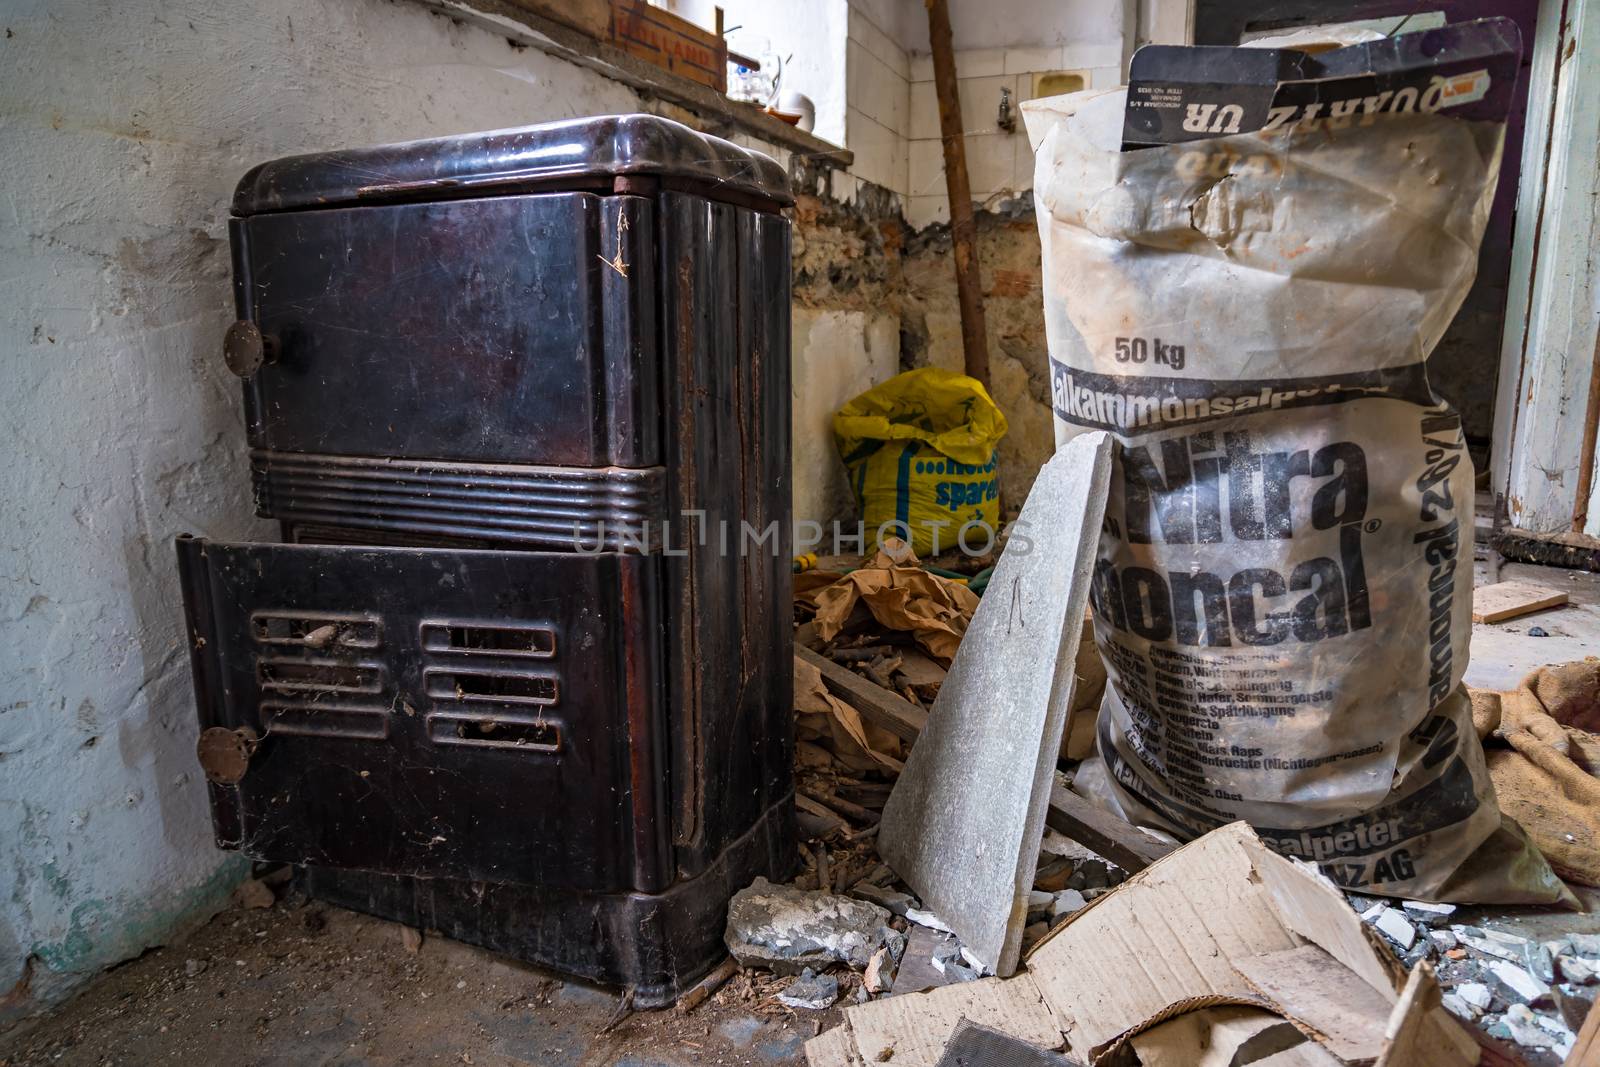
1214,1037
914,1029
1165,943
1165,935
1346,1015
833,1048
963,824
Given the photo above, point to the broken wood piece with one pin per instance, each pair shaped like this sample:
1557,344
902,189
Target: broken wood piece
1095,828
838,804
864,654
1120,842
701,991
875,705
918,669
808,805
1512,599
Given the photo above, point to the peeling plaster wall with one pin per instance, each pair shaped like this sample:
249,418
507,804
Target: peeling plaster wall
1019,363
125,125
846,334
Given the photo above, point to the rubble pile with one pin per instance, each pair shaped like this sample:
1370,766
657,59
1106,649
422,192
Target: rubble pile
1531,992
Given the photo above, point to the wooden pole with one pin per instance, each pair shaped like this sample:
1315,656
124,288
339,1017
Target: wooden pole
963,231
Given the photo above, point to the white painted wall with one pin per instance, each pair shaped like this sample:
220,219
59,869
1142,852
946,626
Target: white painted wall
125,125
815,45
838,355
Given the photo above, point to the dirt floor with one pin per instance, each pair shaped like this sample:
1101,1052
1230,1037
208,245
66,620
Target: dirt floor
302,984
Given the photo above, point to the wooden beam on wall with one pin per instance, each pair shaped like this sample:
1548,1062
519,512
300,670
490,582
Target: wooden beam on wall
963,229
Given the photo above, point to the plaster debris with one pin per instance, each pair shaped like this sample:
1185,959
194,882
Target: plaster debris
192,968
1576,969
1538,962
788,930
1585,944
875,980
928,919
1396,927
896,902
811,991
1443,940
1067,902
1476,995
1533,1030
1039,903
1522,985
1430,914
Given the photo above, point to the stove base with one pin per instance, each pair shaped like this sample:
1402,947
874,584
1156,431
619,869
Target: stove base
657,944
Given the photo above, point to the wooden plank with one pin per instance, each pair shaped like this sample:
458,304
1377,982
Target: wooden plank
1317,991
874,703
1509,600
963,228
1122,844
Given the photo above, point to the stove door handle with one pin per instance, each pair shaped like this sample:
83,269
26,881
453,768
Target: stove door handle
245,349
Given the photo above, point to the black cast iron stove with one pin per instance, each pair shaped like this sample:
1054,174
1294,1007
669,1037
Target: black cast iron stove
520,671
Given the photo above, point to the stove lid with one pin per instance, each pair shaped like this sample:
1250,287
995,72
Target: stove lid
547,157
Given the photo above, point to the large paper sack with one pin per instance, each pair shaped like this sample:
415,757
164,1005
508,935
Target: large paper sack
1283,593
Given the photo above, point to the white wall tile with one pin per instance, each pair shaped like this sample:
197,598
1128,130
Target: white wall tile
880,152
926,168
1074,56
980,102
991,163
876,90
1019,60
1022,164
924,121
1105,77
926,210
866,33
980,62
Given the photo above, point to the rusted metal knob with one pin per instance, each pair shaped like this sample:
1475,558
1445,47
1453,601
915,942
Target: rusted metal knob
225,754
244,349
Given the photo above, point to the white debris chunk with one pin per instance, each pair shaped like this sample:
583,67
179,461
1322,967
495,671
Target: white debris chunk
1578,970
1396,927
1519,981
1459,1008
928,919
1067,902
1443,939
1476,995
1490,948
1432,914
1525,1028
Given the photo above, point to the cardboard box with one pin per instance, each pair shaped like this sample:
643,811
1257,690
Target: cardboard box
1221,921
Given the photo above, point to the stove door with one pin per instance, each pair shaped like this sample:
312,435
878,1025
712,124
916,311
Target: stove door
483,715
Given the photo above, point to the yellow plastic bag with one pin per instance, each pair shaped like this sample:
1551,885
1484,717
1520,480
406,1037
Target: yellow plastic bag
920,452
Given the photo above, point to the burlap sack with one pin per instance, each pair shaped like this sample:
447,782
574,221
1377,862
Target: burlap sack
1543,756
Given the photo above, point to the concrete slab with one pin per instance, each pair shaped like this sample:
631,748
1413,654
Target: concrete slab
963,823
